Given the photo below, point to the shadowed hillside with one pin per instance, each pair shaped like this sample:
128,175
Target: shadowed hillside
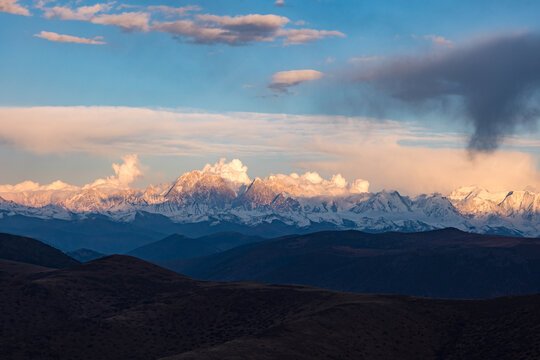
443,263
26,250
119,307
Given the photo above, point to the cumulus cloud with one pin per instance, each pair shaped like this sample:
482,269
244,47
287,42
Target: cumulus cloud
13,7
279,3
495,83
51,36
124,175
283,80
389,154
233,172
311,184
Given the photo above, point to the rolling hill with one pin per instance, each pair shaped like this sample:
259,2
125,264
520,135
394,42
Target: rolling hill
27,250
443,263
119,307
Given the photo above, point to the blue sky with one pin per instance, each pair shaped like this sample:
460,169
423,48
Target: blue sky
153,68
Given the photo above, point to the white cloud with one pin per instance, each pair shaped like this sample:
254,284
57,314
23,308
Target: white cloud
51,36
283,80
233,172
279,3
13,7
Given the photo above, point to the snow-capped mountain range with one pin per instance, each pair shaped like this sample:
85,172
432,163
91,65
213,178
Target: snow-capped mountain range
300,201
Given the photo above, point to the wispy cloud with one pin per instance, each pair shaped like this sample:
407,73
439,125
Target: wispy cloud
13,7
362,59
439,40
129,21
302,36
83,13
51,36
170,11
283,80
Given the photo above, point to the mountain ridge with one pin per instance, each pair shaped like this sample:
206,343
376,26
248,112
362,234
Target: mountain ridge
197,197
31,251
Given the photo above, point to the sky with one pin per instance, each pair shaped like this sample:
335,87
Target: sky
415,96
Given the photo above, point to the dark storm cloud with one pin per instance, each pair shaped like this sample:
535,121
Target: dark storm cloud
497,82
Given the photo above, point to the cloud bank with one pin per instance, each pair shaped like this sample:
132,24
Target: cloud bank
389,154
495,83
30,193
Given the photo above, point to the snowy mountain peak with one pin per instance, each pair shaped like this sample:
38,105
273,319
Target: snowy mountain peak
198,187
224,193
